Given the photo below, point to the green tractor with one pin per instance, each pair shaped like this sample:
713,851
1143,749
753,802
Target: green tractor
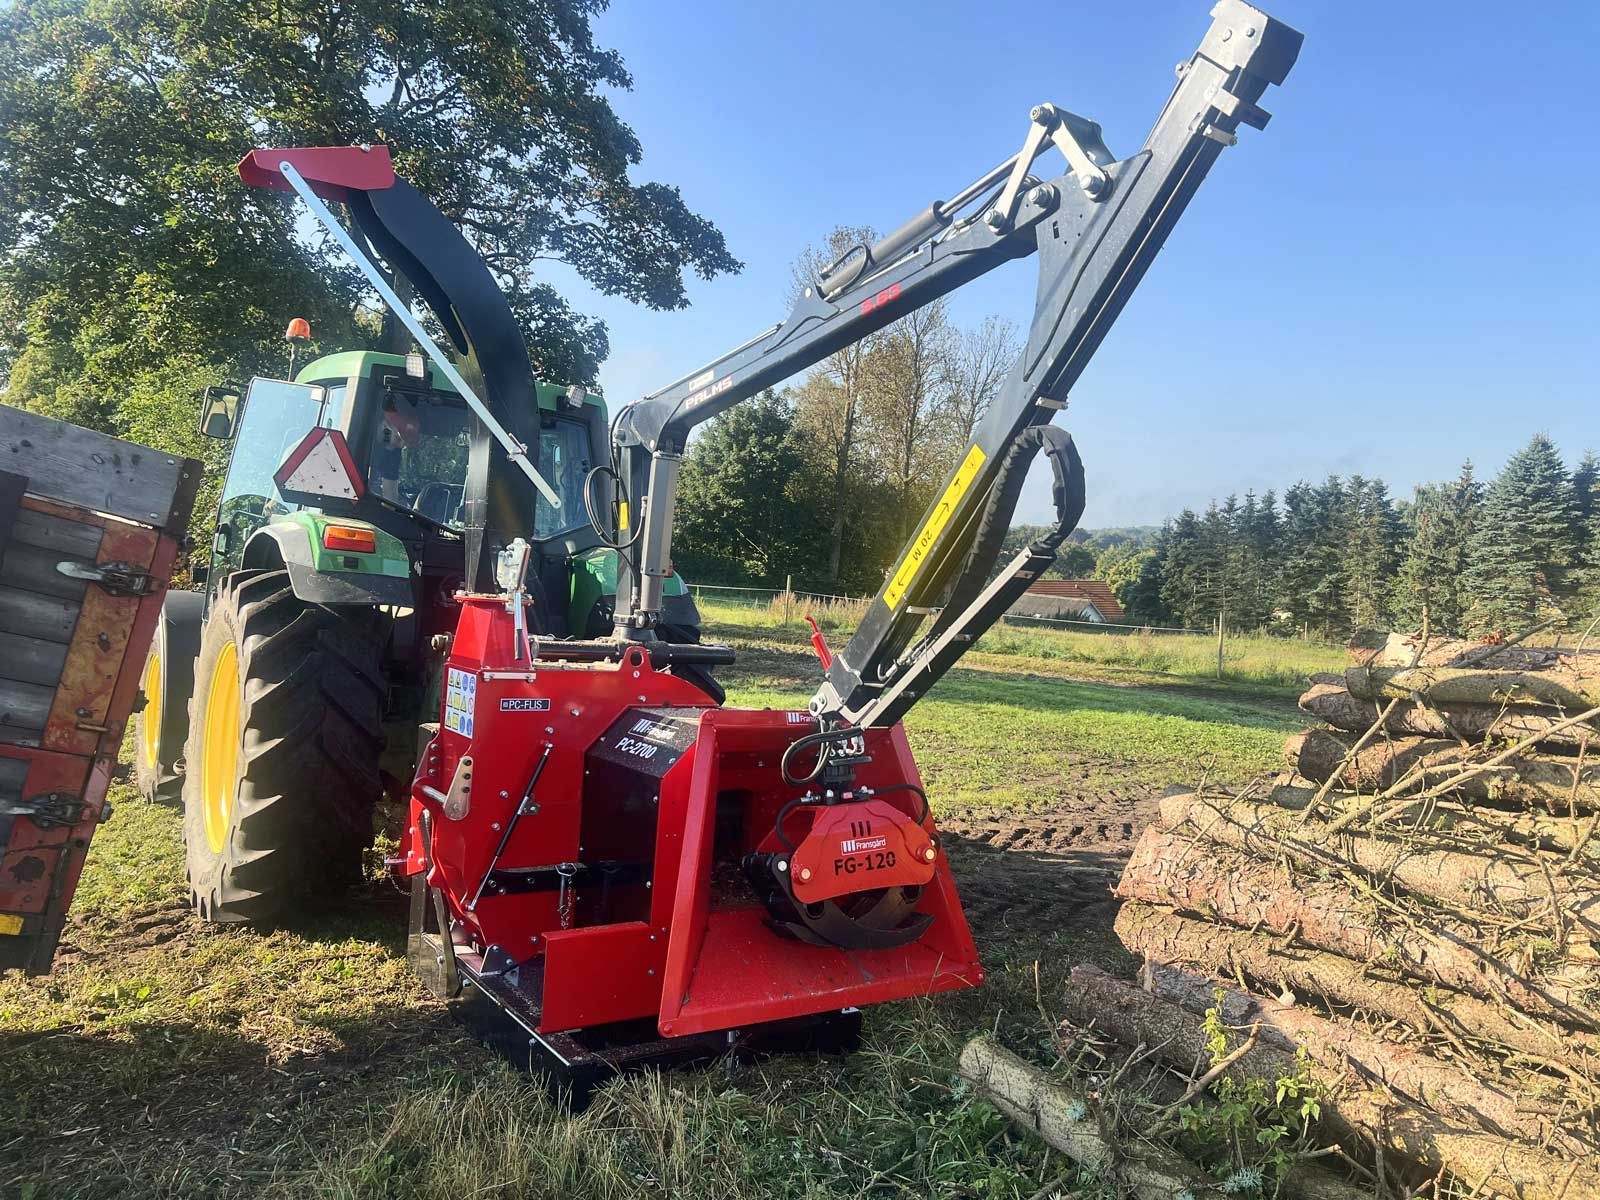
284,701
280,700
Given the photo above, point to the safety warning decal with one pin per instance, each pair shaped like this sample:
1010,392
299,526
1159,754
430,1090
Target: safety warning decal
937,520
460,698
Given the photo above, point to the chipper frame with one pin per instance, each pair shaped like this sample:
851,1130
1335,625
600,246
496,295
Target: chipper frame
619,869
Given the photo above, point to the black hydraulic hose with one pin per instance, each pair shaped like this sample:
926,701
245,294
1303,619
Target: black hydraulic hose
594,521
1067,491
908,787
820,739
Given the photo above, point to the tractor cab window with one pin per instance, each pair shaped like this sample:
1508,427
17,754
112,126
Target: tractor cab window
419,454
277,416
564,462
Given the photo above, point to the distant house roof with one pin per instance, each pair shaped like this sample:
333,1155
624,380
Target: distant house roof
1096,591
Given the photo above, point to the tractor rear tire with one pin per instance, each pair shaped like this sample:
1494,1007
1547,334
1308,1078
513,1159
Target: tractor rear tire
162,726
285,734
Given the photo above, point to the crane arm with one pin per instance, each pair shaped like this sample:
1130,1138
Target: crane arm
1095,228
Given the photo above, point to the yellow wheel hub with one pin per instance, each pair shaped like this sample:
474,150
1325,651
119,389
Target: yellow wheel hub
220,768
150,718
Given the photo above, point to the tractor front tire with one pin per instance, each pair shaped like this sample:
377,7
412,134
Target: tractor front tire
281,765
162,726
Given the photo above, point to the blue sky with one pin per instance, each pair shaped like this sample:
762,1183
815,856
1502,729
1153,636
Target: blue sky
1400,272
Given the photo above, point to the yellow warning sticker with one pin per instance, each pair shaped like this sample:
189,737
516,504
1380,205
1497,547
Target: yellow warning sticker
906,574
622,515
10,923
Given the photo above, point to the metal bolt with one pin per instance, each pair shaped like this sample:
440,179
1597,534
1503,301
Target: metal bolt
1227,35
805,874
549,728
1093,184
1042,195
782,865
495,825
650,971
996,220
1250,31
504,795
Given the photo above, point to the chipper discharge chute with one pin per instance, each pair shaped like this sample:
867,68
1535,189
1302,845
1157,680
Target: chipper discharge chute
613,865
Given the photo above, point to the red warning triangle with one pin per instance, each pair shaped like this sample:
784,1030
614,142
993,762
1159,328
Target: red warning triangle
319,468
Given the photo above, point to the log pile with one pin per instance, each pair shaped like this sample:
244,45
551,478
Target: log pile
1408,919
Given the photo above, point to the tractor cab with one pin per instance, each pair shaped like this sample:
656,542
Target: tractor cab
410,439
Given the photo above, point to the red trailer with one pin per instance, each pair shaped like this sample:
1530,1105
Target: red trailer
90,529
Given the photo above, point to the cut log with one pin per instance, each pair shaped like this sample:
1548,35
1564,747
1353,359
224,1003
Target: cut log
1329,700
1169,937
1555,784
1398,650
1354,1107
1201,878
1464,1098
1565,692
1060,1117
1504,881
1464,819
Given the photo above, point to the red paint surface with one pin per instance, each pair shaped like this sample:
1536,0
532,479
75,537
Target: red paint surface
704,957
332,171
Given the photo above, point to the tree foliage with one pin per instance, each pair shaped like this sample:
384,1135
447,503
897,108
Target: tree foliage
1525,545
127,241
1431,583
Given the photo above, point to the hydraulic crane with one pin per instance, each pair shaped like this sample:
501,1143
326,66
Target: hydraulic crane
617,866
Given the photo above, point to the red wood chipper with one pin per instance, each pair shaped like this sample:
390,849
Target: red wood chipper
615,867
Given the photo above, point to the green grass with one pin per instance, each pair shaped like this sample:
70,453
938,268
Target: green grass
1259,664
163,1058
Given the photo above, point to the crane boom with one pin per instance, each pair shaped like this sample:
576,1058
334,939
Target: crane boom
1095,227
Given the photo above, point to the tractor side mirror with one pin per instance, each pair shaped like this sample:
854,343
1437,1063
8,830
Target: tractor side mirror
219,409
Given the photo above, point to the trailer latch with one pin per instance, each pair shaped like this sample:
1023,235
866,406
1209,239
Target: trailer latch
117,578
51,810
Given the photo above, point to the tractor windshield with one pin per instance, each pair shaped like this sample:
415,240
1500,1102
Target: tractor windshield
419,459
419,454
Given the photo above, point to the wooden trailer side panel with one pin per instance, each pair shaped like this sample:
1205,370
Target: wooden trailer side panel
80,592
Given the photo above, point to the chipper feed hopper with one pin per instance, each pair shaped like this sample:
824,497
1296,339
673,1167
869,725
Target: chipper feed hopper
612,864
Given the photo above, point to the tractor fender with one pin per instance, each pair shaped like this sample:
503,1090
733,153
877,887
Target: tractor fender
322,577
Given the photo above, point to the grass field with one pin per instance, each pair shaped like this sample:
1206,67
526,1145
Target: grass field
1253,663
164,1058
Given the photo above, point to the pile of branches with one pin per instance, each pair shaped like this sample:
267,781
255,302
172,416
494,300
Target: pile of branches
1408,917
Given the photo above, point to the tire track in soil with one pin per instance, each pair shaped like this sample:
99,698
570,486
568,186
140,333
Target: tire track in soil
1022,875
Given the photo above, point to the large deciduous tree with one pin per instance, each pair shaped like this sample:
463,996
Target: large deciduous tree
127,243
908,428
736,509
829,402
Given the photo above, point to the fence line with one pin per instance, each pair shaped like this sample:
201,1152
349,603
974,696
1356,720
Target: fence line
758,596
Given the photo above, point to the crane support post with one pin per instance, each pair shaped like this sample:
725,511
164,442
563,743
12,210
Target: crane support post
1095,227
